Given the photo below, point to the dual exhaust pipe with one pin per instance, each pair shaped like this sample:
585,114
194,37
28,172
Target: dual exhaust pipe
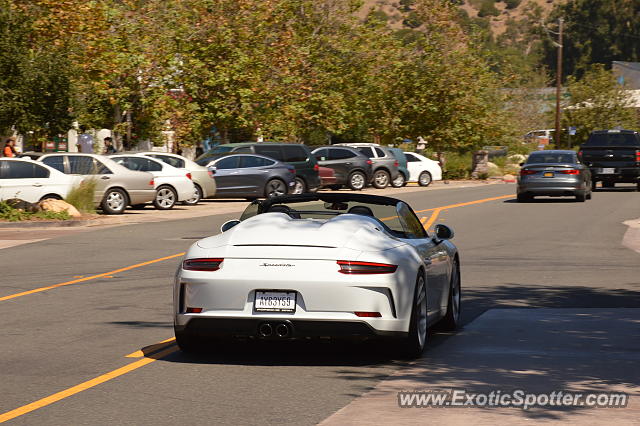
280,330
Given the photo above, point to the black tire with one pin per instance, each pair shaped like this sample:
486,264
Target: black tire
196,197
335,187
451,320
524,198
581,196
166,198
381,179
51,197
187,343
589,195
115,201
275,188
400,181
357,181
424,179
301,186
638,187
414,344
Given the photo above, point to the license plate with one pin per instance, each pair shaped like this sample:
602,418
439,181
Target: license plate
548,174
275,301
608,171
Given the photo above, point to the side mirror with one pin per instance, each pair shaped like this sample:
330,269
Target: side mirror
212,170
443,232
228,225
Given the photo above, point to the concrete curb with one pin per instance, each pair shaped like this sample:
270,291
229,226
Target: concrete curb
48,224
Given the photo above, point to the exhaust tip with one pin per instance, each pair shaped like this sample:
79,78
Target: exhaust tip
265,329
282,330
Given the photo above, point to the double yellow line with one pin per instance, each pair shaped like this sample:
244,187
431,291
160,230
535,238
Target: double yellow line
161,349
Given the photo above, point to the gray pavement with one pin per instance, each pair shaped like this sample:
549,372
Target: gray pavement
533,350
551,254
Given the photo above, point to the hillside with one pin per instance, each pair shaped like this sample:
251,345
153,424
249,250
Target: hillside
397,12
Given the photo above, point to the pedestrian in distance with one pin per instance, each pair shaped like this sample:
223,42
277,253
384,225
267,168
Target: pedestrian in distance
108,146
85,141
9,149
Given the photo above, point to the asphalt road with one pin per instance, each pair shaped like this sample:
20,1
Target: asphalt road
553,253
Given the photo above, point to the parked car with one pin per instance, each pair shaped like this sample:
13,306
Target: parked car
327,176
385,165
299,156
252,176
351,167
613,156
32,181
422,169
403,176
116,186
171,184
201,176
376,274
33,155
554,173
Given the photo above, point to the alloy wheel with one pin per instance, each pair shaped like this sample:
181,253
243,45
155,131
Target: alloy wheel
275,188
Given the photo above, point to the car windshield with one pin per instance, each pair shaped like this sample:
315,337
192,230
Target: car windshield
394,215
212,154
613,139
551,158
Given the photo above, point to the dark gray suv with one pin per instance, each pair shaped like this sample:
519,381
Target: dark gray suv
351,168
385,164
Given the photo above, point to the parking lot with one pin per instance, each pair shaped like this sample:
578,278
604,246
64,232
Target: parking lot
85,321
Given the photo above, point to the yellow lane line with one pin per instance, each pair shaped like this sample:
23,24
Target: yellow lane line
432,219
150,349
91,277
468,203
84,386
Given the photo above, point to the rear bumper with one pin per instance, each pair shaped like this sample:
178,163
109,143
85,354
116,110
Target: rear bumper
551,187
621,174
249,327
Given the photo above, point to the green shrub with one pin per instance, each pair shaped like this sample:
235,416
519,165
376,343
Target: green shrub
81,196
512,4
8,213
488,8
457,166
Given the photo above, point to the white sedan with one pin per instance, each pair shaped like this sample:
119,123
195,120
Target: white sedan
422,169
32,181
319,265
171,184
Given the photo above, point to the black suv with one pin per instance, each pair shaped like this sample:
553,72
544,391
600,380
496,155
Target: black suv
299,156
351,167
385,164
612,156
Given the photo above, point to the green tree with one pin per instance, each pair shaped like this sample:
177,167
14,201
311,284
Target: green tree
598,102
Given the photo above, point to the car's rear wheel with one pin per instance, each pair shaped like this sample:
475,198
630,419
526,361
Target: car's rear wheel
424,179
416,341
451,320
166,198
51,197
638,187
114,202
381,179
275,188
186,342
357,181
197,196
581,196
399,182
524,198
300,187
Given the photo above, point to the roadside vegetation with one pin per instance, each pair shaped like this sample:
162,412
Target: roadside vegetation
10,213
81,196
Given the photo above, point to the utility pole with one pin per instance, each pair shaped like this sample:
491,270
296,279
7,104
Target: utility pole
558,84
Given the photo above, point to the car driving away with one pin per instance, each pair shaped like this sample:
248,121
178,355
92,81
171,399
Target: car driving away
333,265
554,173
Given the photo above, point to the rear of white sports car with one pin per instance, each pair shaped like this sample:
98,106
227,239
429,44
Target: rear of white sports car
274,277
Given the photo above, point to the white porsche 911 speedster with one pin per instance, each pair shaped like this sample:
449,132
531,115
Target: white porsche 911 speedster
319,265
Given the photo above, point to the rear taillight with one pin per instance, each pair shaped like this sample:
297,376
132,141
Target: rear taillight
202,264
210,173
189,176
396,164
193,310
316,168
637,156
369,162
152,182
292,170
580,154
353,268
525,172
569,172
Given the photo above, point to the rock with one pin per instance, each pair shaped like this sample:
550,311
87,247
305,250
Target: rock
57,206
23,205
517,158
